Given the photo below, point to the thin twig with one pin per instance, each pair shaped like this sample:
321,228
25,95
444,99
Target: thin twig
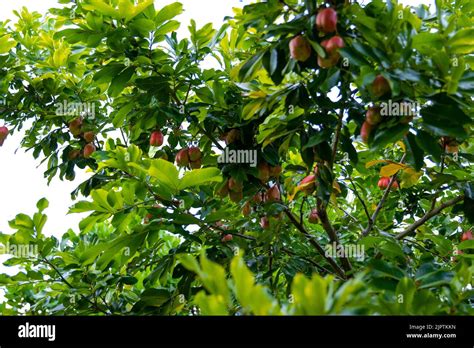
65,281
356,192
373,219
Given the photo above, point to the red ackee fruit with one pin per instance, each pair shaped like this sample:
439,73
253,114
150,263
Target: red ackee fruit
89,149
156,139
326,20
300,49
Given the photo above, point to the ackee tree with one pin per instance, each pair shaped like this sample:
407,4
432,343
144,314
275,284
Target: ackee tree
361,121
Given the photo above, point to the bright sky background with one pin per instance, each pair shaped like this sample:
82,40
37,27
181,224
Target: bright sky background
22,183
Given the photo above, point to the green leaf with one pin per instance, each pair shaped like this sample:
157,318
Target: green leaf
101,7
107,73
467,244
386,269
405,291
318,138
139,8
42,204
415,155
390,135
22,220
120,81
155,297
463,41
250,67
429,144
254,298
310,295
165,172
6,44
167,27
168,12
198,177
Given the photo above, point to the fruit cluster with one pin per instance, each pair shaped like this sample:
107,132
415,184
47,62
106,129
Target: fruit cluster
189,156
326,23
76,129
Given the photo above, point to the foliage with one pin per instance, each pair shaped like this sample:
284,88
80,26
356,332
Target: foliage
153,240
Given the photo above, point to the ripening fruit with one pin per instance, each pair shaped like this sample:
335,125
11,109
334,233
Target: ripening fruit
235,185
327,63
385,181
224,190
273,194
3,134
467,236
452,148
333,44
264,172
309,184
246,209
194,154
313,217
232,136
236,197
257,198
195,164
373,116
275,171
89,149
331,47
182,158
365,131
264,223
227,238
148,218
300,49
156,139
73,154
326,20
75,126
450,145
380,86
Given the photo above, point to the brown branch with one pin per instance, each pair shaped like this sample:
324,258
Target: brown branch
336,138
373,219
331,232
315,244
432,212
307,259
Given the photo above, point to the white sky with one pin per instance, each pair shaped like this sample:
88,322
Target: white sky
22,183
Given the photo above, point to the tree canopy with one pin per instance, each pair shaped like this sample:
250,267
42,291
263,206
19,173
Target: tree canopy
307,157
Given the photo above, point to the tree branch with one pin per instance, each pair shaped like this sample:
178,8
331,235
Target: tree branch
315,244
331,232
432,212
372,220
356,192
65,281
